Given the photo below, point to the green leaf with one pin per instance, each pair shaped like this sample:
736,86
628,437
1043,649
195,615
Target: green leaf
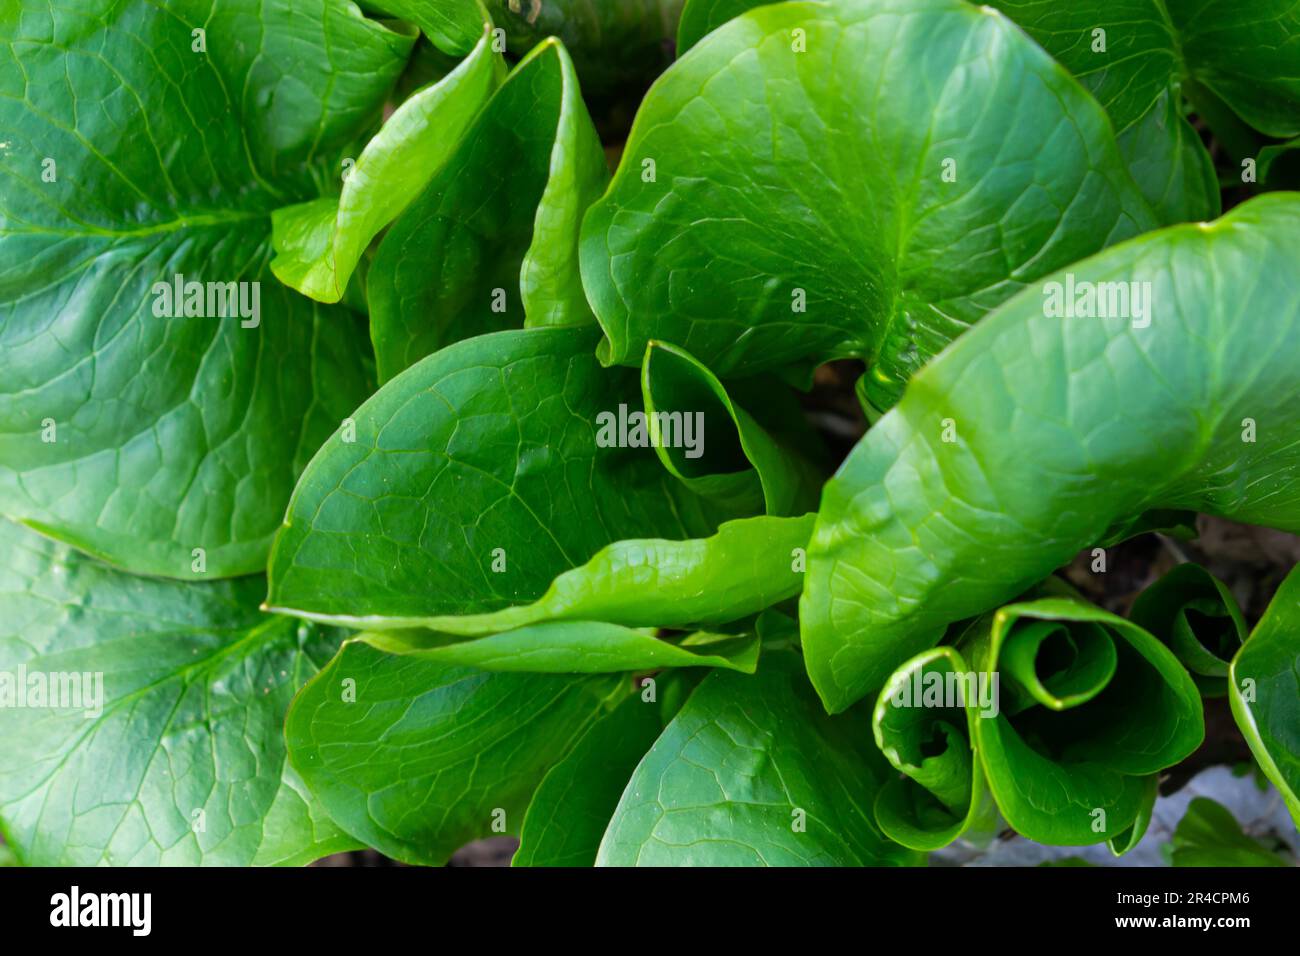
1131,837
704,16
782,198
1196,616
575,800
575,647
1126,52
417,758
1246,54
1243,53
752,772
1071,768
475,478
941,794
1143,58
1209,835
742,460
492,240
1279,155
1173,522
454,26
131,159
749,565
165,747
1139,59
1060,429
1264,691
319,243
1170,164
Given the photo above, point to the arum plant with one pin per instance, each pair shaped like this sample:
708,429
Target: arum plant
414,423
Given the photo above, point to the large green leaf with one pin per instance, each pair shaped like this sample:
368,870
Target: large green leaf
174,753
572,806
475,478
1196,616
1034,434
1264,690
417,758
1089,708
1248,54
130,158
492,240
752,772
786,193
319,243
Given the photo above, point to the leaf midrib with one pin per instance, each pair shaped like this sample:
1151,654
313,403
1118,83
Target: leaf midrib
201,221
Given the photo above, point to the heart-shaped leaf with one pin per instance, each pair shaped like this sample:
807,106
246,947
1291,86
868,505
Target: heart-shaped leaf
796,188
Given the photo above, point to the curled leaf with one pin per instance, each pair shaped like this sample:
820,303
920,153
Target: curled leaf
1090,707
743,459
1196,616
940,794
